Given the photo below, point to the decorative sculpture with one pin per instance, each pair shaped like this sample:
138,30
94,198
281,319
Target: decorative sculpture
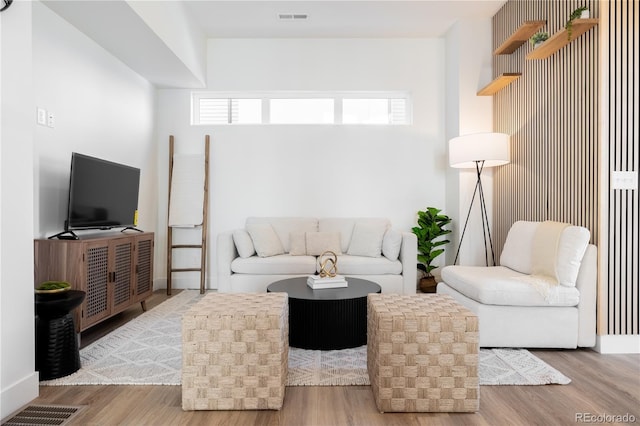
328,264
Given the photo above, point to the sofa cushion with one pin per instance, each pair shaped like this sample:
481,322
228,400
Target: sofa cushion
244,245
544,258
345,226
391,244
284,226
366,239
319,242
572,246
518,247
517,253
342,225
500,285
265,240
314,243
363,265
279,264
297,243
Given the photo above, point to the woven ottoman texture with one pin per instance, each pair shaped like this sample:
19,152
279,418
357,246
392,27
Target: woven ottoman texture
422,353
235,351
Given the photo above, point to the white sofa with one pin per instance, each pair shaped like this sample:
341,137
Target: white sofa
269,249
515,307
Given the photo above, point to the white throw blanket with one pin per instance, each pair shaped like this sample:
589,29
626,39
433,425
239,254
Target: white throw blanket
187,190
544,275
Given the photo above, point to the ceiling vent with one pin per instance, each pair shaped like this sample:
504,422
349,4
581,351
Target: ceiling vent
292,16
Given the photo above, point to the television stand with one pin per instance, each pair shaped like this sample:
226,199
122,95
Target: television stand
114,270
65,235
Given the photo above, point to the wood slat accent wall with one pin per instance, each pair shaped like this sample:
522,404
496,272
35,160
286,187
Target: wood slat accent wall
553,116
551,113
619,277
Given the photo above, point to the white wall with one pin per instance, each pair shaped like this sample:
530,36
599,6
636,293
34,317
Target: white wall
468,58
313,170
18,379
101,108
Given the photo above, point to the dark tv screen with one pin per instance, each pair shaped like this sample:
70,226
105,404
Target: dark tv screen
102,194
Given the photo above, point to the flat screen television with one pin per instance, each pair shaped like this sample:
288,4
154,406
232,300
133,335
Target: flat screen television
102,194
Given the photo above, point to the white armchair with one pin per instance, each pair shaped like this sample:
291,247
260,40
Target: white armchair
542,295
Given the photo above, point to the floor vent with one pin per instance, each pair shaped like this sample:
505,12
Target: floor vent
37,415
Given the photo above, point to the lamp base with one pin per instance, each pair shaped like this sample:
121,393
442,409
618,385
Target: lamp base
486,230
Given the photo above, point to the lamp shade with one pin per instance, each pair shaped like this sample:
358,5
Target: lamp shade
492,148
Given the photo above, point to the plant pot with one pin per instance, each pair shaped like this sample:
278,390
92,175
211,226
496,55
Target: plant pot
585,14
535,46
427,284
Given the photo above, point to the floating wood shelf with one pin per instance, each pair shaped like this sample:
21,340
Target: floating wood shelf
561,39
519,37
502,81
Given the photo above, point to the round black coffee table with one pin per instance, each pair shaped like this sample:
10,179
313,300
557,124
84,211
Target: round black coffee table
334,318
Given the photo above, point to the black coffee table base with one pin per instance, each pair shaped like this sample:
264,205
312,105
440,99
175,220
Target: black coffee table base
327,319
328,324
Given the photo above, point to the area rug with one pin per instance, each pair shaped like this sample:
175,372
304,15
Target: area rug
147,351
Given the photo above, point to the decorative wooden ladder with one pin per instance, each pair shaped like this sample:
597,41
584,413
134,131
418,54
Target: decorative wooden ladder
203,227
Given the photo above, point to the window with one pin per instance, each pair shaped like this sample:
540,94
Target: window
360,108
374,111
227,111
301,111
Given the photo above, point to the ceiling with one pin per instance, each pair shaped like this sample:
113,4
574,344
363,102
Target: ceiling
335,18
141,41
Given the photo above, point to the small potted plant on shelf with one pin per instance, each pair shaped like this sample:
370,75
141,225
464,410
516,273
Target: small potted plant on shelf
430,227
582,13
538,38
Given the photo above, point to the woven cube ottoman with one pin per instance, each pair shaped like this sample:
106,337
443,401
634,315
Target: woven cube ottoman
235,350
422,353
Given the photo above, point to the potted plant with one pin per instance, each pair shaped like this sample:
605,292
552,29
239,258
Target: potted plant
430,227
538,38
51,287
581,12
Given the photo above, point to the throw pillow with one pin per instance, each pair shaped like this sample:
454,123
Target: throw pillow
265,240
297,243
573,243
366,240
391,244
319,242
546,242
243,243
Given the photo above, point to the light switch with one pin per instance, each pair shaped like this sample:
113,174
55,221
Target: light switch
42,116
51,120
624,180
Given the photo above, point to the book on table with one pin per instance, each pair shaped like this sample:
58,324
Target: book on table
317,282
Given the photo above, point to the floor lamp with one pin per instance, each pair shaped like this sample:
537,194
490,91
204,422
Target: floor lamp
478,151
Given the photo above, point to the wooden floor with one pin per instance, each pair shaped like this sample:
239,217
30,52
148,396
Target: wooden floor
602,385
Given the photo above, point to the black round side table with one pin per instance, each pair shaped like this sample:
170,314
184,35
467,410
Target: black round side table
57,353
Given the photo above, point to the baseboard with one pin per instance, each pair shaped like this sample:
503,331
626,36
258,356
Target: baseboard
182,284
618,344
19,394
